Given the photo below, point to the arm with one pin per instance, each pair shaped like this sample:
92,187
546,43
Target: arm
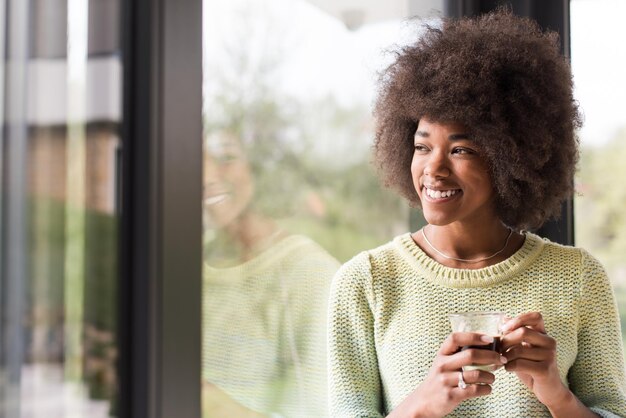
597,377
355,386
304,294
531,355
597,385
355,383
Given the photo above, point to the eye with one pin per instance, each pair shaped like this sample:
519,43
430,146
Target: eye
463,151
226,158
421,148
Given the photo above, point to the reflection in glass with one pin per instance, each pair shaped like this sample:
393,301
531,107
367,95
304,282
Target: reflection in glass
58,345
289,193
265,299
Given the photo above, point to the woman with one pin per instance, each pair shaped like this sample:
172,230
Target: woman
265,299
476,126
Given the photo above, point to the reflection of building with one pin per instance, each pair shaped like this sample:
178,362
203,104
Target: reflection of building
48,169
71,216
48,92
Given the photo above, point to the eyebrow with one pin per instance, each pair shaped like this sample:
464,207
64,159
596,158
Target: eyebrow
451,137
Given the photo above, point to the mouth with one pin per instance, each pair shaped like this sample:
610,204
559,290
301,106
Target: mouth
440,195
215,199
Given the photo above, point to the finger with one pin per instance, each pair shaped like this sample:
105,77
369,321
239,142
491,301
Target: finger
533,368
472,377
533,354
529,319
457,340
471,391
474,356
525,336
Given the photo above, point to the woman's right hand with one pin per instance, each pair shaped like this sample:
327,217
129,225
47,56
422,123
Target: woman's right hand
440,393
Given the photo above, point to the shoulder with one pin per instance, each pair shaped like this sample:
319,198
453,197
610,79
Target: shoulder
561,253
364,267
300,251
368,260
302,245
575,260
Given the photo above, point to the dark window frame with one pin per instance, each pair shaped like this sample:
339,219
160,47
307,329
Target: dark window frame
161,194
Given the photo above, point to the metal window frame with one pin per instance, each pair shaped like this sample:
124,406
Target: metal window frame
553,15
160,220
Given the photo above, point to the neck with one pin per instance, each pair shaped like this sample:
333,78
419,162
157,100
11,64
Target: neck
241,240
463,246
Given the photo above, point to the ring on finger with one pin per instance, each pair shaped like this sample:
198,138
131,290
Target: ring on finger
461,383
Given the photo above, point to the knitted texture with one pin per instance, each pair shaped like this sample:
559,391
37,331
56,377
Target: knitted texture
264,329
388,315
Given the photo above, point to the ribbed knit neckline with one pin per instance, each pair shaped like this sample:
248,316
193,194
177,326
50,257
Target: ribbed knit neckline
437,273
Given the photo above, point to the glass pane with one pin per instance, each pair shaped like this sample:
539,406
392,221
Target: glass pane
598,62
58,300
289,193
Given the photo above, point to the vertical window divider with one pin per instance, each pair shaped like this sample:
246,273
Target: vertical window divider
161,223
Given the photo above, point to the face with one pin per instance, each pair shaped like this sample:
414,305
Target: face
450,175
228,185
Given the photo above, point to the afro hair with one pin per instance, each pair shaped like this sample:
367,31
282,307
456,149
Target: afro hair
504,79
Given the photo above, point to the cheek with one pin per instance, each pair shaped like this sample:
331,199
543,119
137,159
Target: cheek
415,171
239,175
484,186
242,180
416,174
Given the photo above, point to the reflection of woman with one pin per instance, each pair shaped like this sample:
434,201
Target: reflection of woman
265,300
476,125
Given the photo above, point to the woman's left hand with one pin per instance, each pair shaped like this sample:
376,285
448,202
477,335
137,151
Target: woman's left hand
531,355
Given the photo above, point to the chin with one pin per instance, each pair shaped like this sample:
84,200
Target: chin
433,219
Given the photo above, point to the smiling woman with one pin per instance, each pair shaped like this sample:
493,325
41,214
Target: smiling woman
476,125
450,176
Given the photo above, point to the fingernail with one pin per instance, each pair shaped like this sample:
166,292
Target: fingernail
503,360
486,338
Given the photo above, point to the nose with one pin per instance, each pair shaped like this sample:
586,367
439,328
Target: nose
437,165
210,171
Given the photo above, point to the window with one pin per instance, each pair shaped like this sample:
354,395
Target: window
600,87
58,287
289,192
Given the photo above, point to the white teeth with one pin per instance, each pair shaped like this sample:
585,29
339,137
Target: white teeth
438,194
213,200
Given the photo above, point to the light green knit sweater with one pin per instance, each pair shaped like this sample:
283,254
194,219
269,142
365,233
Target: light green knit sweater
389,315
264,329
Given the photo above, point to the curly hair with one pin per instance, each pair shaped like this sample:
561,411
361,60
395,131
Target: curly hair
504,79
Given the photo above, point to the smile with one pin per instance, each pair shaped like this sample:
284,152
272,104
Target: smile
214,200
440,194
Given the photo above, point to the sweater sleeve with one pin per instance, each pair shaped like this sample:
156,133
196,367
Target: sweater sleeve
354,380
597,377
303,340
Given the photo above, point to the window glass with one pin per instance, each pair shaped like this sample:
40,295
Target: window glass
289,191
598,62
58,295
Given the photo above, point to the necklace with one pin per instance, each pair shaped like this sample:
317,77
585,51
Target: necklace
477,260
